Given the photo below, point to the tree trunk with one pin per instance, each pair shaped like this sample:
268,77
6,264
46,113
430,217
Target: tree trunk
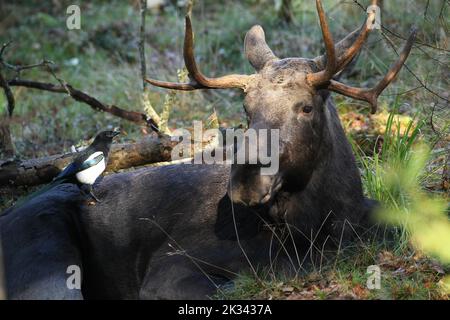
7,149
150,149
285,11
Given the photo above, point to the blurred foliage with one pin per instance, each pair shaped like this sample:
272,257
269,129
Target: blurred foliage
424,217
395,175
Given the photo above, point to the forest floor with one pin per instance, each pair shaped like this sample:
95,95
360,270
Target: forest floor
102,58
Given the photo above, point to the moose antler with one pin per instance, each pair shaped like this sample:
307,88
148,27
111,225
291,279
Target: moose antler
335,60
335,64
324,77
198,80
371,95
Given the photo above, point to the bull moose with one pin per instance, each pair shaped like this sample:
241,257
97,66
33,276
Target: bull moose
184,231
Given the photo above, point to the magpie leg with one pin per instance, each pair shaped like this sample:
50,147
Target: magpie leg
91,193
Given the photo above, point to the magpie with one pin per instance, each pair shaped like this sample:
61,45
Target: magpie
90,163
84,170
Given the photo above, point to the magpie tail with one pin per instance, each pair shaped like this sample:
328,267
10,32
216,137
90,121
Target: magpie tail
38,192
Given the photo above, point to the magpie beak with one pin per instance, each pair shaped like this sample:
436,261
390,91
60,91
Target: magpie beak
115,132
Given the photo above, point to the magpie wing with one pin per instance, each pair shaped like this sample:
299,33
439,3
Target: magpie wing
90,162
68,171
75,167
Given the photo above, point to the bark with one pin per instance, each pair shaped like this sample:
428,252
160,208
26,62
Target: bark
8,94
143,8
150,149
7,149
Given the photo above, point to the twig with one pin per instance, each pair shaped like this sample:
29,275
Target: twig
405,65
403,92
431,120
431,57
426,9
19,68
3,48
64,87
441,12
412,73
61,81
397,35
400,36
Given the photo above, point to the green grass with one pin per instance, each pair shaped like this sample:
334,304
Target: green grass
341,284
404,276
395,151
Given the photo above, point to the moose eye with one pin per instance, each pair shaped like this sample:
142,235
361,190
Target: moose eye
307,109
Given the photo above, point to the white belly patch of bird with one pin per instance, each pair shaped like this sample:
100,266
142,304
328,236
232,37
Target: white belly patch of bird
89,175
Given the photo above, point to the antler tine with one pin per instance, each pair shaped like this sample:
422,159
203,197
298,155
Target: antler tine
198,80
174,85
322,77
350,53
371,95
229,81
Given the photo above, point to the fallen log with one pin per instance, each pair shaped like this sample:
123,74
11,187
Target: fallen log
31,172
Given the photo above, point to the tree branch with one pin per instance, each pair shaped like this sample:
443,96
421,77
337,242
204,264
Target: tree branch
402,37
80,96
389,41
391,44
19,68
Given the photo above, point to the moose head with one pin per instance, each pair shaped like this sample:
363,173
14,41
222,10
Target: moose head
290,95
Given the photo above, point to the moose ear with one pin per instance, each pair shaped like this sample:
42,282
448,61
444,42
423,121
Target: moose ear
256,49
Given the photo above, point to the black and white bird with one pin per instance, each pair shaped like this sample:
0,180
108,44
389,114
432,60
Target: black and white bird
84,170
90,163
